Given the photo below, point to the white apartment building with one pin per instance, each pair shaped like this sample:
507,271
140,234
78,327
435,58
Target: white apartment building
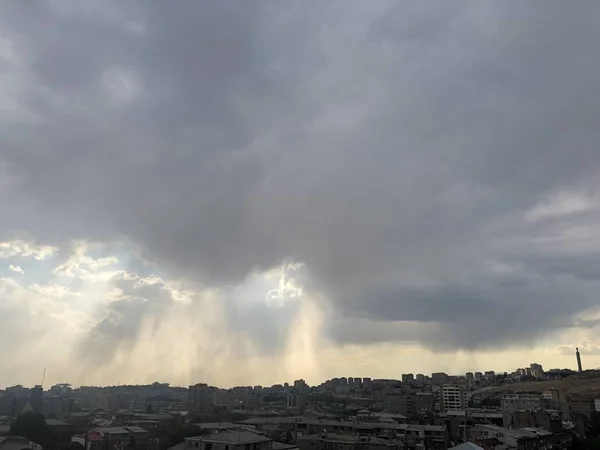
454,397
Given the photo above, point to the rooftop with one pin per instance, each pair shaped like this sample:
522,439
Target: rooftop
232,437
518,433
56,423
215,425
17,443
340,423
120,430
466,446
283,446
349,438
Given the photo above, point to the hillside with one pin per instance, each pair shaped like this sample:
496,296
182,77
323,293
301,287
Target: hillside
579,386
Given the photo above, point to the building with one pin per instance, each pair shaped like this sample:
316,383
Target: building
537,371
420,378
454,397
326,441
439,378
412,436
551,399
396,401
36,398
201,398
215,427
294,400
424,404
300,385
515,402
492,436
387,425
581,407
18,443
114,438
230,440
466,446
544,419
408,378
469,376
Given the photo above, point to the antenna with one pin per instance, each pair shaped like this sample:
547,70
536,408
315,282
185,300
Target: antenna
43,377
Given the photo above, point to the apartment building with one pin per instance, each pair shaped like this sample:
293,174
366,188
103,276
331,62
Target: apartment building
201,398
114,438
491,437
230,440
454,397
411,437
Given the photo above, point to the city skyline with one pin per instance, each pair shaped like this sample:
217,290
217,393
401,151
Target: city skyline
399,377
266,191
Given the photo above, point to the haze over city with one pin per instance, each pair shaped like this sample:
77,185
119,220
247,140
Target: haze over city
244,193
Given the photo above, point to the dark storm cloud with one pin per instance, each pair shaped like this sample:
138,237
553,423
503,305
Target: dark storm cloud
394,148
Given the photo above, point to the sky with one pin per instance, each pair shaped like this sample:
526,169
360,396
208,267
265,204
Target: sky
240,192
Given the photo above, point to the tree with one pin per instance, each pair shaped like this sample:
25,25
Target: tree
592,429
33,426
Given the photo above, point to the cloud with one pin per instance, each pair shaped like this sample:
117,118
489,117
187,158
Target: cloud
16,269
18,248
433,169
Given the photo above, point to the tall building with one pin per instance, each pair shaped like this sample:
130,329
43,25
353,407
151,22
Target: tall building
469,376
424,404
36,398
439,377
537,371
201,398
454,397
579,368
294,400
396,401
515,402
408,377
300,385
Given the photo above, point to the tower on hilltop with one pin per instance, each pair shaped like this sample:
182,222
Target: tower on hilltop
579,369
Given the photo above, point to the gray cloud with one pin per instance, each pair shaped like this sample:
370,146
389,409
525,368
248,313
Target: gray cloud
394,148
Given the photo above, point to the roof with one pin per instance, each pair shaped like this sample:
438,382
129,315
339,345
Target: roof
283,446
348,438
234,437
215,425
340,423
120,430
538,431
466,446
17,443
180,446
516,433
56,423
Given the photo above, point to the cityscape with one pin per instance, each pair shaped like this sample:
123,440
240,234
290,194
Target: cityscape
530,408
299,225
